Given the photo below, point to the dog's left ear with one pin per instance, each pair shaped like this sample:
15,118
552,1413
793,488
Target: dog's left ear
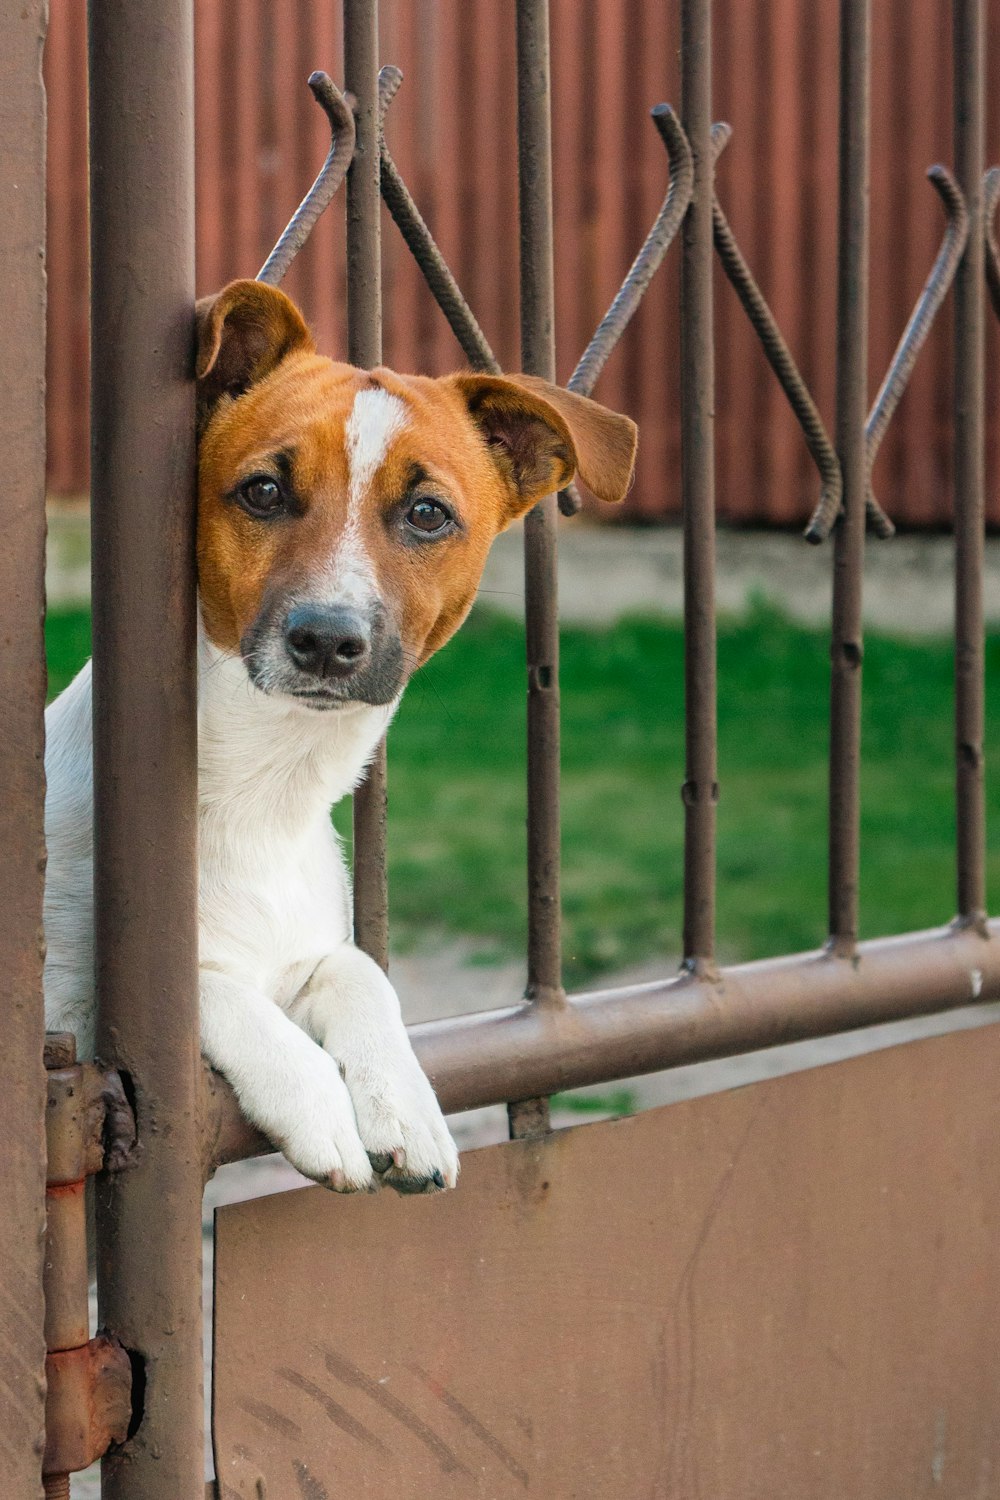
243,333
540,435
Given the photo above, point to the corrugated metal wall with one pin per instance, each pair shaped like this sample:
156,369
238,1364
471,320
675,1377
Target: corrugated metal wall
452,131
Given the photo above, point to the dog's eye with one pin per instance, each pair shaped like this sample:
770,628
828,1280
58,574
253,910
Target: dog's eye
428,516
261,495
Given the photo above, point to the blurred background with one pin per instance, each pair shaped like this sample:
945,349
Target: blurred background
261,139
457,749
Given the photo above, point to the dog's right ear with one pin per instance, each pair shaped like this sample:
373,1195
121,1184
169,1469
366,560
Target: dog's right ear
243,333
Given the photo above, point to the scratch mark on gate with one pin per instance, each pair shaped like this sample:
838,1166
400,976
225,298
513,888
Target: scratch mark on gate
337,1413
472,1422
272,1418
310,1487
349,1375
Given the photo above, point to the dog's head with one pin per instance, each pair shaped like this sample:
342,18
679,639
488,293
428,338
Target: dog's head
344,515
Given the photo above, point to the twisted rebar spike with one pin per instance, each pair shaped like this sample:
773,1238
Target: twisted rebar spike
338,111
389,79
436,272
935,290
991,197
411,225
779,357
643,268
646,263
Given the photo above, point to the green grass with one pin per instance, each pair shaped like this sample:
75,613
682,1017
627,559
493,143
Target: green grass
457,770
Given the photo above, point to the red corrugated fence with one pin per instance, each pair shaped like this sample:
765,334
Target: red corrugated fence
452,132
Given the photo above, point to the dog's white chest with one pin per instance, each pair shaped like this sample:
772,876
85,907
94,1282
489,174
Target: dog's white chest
270,911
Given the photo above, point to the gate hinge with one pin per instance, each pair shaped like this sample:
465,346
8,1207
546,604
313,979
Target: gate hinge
89,1127
88,1405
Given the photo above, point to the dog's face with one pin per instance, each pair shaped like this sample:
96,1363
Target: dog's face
344,516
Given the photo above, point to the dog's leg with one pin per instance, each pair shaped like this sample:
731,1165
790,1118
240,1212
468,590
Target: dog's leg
350,1007
287,1086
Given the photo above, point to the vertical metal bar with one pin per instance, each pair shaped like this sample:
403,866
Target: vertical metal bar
969,66
701,788
364,347
538,357
849,540
141,55
22,780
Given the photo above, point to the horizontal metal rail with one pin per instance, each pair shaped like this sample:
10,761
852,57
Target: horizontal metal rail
529,1051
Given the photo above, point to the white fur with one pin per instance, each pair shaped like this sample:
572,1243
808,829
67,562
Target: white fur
279,972
376,419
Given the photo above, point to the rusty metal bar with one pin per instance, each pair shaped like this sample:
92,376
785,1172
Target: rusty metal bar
780,358
701,789
914,335
641,272
849,539
422,246
534,154
969,104
476,1060
22,692
647,262
141,58
331,175
364,347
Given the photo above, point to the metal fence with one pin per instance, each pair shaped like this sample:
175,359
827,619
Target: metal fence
774,78
142,197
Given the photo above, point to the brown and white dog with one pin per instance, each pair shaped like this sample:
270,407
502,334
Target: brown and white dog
344,517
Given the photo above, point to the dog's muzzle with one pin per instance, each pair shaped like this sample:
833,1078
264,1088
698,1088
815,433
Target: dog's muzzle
326,655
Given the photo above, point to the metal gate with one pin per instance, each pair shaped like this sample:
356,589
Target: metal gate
734,1296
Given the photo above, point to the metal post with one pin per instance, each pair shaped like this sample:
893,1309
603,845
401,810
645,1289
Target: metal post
22,781
969,65
145,743
701,788
849,541
530,1117
538,357
364,347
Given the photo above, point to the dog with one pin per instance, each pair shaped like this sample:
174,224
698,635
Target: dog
344,518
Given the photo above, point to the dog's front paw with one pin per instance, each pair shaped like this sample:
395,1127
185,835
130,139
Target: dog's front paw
401,1124
320,1138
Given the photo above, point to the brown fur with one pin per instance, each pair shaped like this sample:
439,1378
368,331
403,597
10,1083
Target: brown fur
491,446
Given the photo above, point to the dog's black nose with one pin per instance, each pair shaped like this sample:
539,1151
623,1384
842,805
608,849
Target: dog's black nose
327,642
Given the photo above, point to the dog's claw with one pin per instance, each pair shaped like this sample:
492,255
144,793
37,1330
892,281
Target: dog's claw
381,1161
410,1186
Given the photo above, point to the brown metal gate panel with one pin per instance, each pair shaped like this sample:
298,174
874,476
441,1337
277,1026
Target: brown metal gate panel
782,1291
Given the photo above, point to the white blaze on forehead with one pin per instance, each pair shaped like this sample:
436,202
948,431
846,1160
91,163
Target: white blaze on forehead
376,419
